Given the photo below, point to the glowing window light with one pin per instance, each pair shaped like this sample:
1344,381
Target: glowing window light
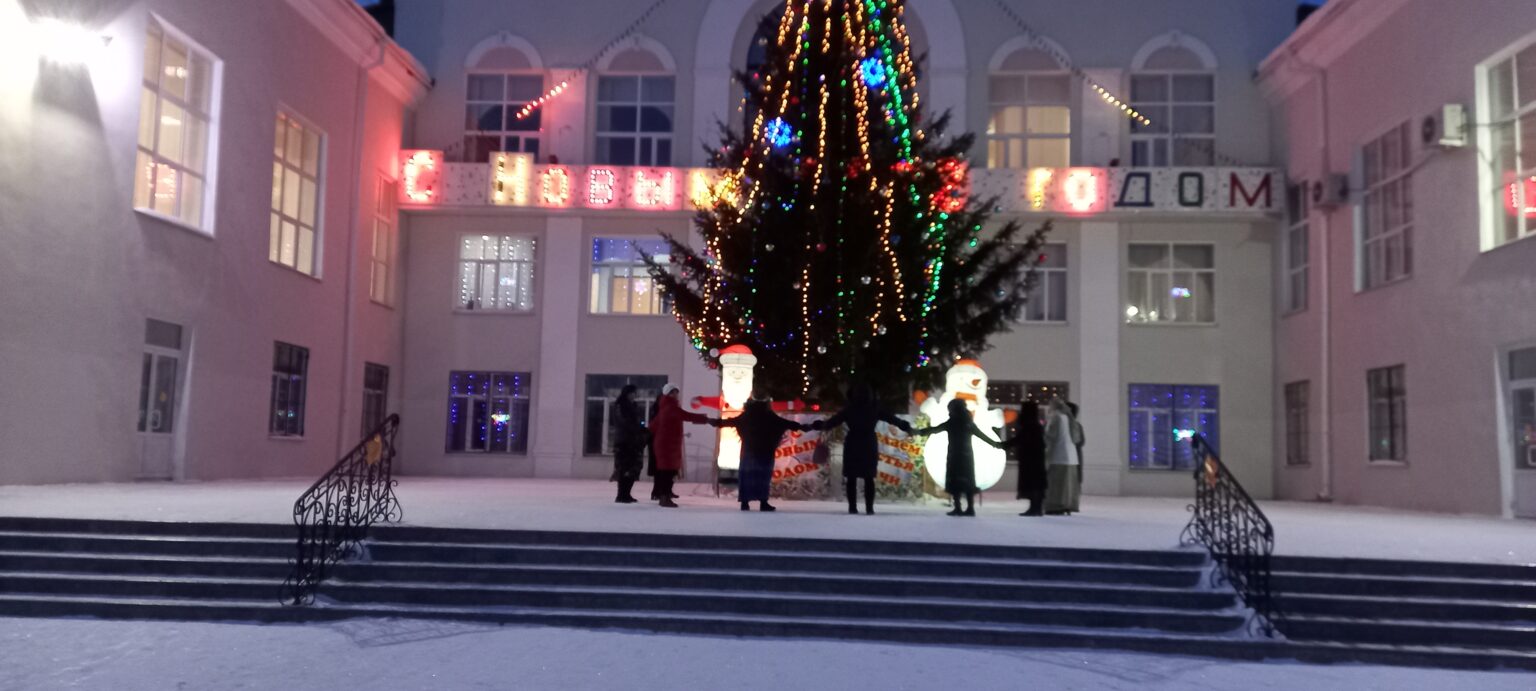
873,72
653,189
600,187
510,175
1081,190
1183,434
555,186
779,133
418,178
1520,198
1179,292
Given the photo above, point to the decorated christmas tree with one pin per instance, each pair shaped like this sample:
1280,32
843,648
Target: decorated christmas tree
840,241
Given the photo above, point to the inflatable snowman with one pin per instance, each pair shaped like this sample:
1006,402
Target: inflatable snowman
965,381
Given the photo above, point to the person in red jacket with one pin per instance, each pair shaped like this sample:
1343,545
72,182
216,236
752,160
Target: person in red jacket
667,441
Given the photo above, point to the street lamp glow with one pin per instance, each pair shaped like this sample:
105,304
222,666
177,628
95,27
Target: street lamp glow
65,42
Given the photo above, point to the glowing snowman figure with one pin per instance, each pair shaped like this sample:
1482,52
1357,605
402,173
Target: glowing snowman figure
965,381
736,363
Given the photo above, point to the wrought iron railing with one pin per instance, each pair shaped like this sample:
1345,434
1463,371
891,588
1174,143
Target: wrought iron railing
1235,531
334,514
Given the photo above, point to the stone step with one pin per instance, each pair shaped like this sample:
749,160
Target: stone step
1390,608
781,561
162,528
145,544
841,606
897,631
1413,587
891,586
1411,632
131,586
141,564
1404,569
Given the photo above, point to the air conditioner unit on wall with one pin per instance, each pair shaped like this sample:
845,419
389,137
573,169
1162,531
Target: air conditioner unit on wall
1331,192
1445,128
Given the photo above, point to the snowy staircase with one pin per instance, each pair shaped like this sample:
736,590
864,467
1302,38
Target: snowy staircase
966,595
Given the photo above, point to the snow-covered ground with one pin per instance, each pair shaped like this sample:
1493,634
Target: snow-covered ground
1109,522
46,654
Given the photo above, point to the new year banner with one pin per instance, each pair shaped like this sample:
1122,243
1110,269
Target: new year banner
801,468
900,473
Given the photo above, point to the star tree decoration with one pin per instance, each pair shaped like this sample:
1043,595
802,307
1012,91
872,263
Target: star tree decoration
841,241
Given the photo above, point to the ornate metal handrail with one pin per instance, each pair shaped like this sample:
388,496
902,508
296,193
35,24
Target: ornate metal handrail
1235,531
334,514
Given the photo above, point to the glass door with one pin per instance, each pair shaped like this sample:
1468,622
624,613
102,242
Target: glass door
158,400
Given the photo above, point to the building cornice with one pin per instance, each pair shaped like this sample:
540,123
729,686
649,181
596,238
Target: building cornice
1321,39
352,30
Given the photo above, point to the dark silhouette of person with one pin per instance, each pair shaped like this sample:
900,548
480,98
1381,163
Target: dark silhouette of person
861,449
761,431
960,472
1029,450
630,437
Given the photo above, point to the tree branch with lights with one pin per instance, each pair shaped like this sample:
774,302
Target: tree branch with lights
841,241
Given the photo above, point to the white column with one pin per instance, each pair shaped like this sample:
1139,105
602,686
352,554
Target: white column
556,404
1100,392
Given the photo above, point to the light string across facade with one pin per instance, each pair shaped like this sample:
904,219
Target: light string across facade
591,62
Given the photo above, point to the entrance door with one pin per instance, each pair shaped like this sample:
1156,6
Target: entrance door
1522,409
159,385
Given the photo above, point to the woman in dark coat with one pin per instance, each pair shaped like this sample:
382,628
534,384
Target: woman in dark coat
630,438
861,450
960,471
1029,448
761,431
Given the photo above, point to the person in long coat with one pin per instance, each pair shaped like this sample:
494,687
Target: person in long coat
1061,498
1029,450
629,441
761,431
960,471
650,449
1078,440
667,442
861,450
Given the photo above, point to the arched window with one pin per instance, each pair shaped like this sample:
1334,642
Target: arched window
1173,83
1029,122
757,54
636,105
504,74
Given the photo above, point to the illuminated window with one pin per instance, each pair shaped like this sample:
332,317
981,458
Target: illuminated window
1048,301
490,115
1297,243
1171,283
496,272
1175,88
293,236
290,371
1030,120
1011,395
488,412
602,391
1511,146
621,282
1164,418
375,395
1386,236
176,116
634,120
1297,422
1387,393
382,256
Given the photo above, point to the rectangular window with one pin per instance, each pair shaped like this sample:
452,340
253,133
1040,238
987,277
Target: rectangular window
1296,249
1031,121
375,395
1522,390
1386,235
621,282
1163,419
176,119
382,257
496,272
602,391
491,110
1048,301
1171,283
290,368
634,120
1388,395
293,236
1182,110
1297,414
1512,141
1011,395
488,412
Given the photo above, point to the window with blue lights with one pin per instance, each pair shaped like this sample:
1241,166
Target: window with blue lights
1163,418
488,412
290,373
621,282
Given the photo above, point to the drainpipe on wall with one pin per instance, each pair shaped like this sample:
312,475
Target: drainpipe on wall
348,377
